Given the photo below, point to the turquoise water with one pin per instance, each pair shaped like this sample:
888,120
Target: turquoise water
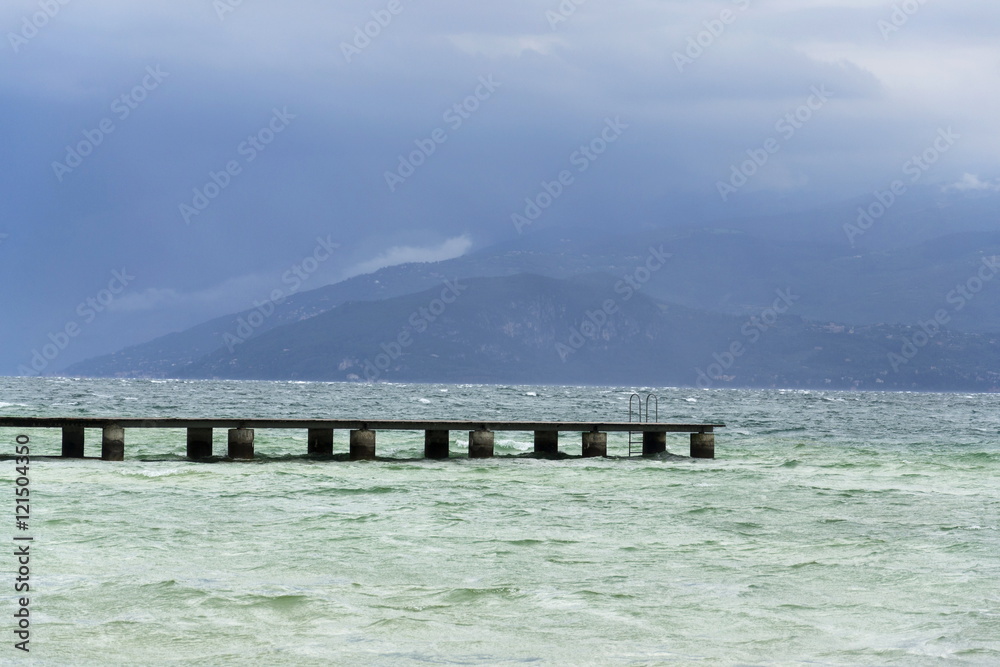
834,528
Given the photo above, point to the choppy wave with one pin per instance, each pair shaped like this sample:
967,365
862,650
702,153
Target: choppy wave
845,528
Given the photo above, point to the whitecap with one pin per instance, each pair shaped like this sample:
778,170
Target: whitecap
151,473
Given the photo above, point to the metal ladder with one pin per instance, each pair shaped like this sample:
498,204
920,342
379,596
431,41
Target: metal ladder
639,420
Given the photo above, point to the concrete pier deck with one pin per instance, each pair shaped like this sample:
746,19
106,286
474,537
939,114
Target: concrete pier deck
363,434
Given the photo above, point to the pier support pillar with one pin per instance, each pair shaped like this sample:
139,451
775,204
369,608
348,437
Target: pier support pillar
199,443
113,443
320,441
653,443
480,444
547,443
436,444
363,445
72,442
595,444
241,443
703,445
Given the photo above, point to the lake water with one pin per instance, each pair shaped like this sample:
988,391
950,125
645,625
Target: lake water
833,528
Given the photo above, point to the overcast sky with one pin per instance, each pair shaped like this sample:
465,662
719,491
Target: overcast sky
205,147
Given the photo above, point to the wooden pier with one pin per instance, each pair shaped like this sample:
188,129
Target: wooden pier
240,441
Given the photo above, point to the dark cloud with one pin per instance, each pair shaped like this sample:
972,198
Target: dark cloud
356,114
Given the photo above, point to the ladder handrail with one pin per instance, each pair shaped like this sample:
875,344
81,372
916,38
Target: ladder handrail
656,408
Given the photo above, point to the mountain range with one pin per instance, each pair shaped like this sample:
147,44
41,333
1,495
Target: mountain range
818,299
